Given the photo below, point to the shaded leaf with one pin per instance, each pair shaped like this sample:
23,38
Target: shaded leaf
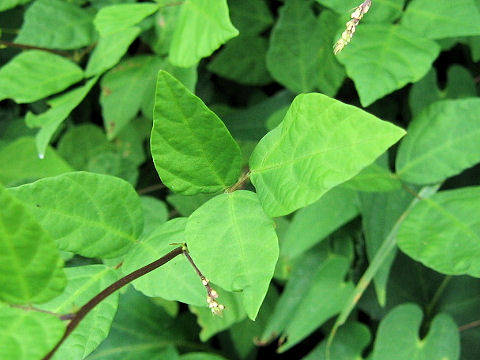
186,205
250,16
381,11
155,213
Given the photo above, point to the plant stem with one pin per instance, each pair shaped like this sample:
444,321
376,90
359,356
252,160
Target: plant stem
468,326
150,189
385,249
85,309
239,184
30,47
437,295
32,308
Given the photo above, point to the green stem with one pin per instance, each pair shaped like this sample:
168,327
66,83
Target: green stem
31,47
387,247
437,295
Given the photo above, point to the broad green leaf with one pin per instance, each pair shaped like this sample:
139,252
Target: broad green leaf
113,163
320,144
201,356
442,232
383,58
84,282
293,57
31,269
186,205
250,16
124,90
176,280
155,213
56,24
89,138
374,178
110,49
442,141
192,149
380,212
330,73
460,84
398,334
90,214
27,335
8,4
114,18
314,223
243,60
315,292
142,331
232,314
50,120
202,27
34,74
442,19
349,344
234,243
24,164
380,11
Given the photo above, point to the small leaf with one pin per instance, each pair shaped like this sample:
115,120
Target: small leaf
234,243
27,335
24,164
398,334
202,27
114,18
192,149
442,141
31,269
442,19
176,280
155,213
320,144
442,232
34,74
84,282
383,58
90,214
56,24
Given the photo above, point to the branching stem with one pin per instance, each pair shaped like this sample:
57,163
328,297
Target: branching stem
31,47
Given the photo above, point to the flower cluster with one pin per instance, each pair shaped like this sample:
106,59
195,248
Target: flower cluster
212,296
347,35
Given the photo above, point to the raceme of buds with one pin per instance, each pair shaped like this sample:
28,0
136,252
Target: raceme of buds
351,26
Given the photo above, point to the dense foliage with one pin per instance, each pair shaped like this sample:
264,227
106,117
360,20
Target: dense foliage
298,204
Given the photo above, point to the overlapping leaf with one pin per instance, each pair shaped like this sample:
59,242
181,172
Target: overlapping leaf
320,144
381,11
34,74
442,141
202,27
89,214
235,224
442,232
250,16
31,269
384,58
192,149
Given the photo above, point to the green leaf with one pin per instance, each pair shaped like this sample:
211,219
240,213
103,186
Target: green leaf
110,49
142,331
27,335
349,344
380,212
56,24
201,356
234,243
374,178
243,60
8,4
124,90
315,292
34,74
292,57
202,27
232,314
314,223
320,144
84,282
113,163
383,58
398,334
60,108
155,213
90,214
381,11
250,16
114,18
186,205
191,147
175,280
31,268
441,142
442,19
442,232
